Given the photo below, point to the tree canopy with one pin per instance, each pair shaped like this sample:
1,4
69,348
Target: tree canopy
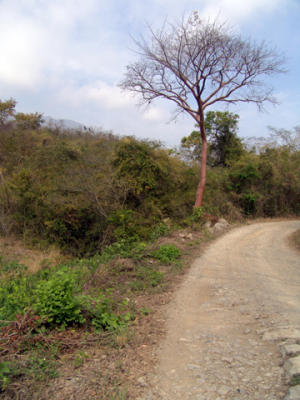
7,109
225,146
196,64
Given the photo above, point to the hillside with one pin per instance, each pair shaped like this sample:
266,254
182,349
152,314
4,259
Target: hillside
96,231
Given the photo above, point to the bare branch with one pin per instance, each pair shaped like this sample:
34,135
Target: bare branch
196,64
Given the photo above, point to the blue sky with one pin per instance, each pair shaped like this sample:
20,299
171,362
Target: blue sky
65,58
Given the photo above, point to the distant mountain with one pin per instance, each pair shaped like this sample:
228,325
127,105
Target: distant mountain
74,126
64,123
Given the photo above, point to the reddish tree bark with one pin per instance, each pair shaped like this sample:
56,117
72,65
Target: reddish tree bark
202,182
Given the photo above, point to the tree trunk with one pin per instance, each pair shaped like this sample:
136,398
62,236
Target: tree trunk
201,186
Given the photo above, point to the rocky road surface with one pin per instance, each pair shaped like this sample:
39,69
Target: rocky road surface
239,302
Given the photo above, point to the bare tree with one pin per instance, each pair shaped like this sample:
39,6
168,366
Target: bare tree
284,137
196,64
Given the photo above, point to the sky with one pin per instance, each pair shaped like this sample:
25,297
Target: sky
65,59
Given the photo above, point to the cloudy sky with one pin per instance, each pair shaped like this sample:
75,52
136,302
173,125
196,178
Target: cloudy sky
65,58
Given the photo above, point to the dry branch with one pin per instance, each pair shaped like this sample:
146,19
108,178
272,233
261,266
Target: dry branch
195,64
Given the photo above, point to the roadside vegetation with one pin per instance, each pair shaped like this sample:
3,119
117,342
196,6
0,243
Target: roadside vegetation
115,216
83,190
61,314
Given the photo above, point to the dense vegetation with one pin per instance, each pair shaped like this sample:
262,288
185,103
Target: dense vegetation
85,190
105,199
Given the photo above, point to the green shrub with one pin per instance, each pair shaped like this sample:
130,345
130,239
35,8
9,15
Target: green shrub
249,203
55,294
15,290
123,225
245,173
11,268
167,253
159,230
15,297
197,214
56,301
103,312
84,191
124,248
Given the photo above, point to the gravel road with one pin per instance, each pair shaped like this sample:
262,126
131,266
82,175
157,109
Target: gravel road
245,287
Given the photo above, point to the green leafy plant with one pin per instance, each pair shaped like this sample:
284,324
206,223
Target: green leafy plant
5,371
249,201
106,313
197,214
159,230
167,253
11,268
15,289
125,249
56,300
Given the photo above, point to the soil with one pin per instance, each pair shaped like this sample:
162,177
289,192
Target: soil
246,284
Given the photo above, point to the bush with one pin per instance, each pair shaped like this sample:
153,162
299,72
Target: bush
197,214
15,289
56,295
167,253
103,313
159,230
125,249
15,298
56,300
83,191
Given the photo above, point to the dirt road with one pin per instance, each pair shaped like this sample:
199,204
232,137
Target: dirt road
246,284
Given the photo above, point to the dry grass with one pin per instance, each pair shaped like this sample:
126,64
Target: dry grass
13,249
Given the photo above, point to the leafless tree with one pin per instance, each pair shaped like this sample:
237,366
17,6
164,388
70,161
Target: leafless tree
195,64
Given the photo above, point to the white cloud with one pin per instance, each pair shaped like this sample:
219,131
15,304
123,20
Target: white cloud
65,56
154,114
111,98
38,38
99,93
19,51
237,10
61,37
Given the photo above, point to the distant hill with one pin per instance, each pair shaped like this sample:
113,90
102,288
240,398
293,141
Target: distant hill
64,123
